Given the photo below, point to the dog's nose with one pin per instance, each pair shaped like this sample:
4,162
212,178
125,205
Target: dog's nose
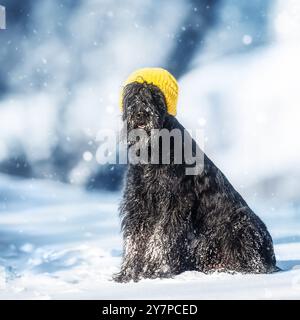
139,115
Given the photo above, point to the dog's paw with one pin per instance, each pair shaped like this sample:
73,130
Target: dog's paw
119,277
123,277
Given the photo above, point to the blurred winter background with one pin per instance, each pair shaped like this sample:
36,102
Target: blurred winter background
61,67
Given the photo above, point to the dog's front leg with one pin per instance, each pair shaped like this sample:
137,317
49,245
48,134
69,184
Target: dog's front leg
131,268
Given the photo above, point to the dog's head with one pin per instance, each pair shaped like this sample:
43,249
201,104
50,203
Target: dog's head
144,106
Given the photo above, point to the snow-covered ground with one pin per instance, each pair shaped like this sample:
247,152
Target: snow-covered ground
59,242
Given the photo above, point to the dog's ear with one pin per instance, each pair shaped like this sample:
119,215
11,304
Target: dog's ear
159,98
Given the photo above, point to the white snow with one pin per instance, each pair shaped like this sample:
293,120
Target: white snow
59,242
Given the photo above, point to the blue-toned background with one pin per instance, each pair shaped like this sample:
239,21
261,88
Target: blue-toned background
61,67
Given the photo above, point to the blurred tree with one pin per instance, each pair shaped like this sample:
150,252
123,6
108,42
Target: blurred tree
17,23
17,165
107,177
200,18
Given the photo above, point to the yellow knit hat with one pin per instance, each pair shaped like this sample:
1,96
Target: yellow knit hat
160,78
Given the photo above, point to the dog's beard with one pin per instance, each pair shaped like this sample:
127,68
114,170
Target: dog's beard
145,123
134,135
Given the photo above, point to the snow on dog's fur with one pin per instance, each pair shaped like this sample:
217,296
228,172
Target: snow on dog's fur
173,222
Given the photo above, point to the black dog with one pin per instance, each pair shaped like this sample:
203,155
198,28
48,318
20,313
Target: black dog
173,222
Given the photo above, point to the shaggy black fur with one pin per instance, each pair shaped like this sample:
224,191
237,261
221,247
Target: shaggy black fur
173,222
